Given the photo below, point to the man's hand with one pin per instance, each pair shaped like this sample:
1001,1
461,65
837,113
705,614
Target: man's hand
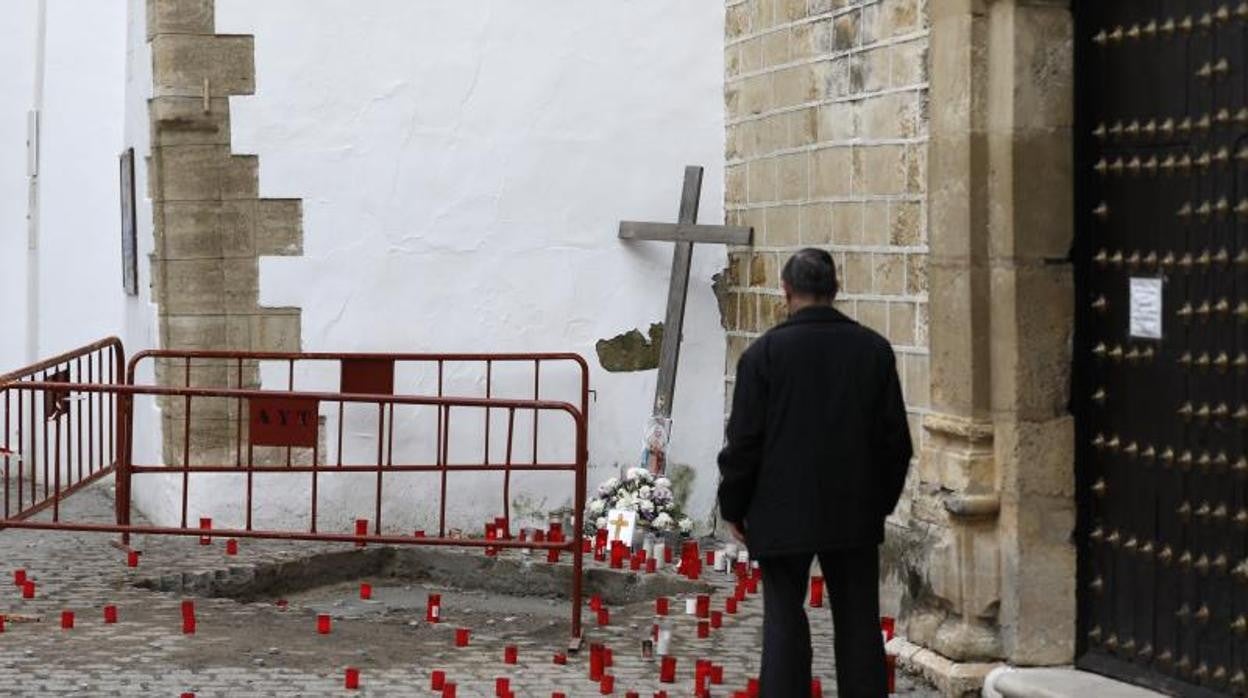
738,531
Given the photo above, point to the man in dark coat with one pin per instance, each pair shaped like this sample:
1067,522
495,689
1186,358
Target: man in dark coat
816,457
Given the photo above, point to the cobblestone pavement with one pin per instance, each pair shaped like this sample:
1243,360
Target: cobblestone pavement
264,649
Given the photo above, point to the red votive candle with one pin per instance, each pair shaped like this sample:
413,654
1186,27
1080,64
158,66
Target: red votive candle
322,624
461,637
552,555
28,590
667,669
595,663
418,534
560,659
730,605
704,605
132,558
361,529
448,689
352,679
110,615
717,674
604,616
607,686
635,564
704,629
717,619
651,566
433,608
816,592
502,686
608,657
67,620
751,687
188,625
366,591
1,623
231,546
19,577
662,606
888,626
205,524
890,661
188,609
595,602
438,680
510,654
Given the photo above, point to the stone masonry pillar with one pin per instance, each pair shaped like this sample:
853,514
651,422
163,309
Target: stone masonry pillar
210,224
997,469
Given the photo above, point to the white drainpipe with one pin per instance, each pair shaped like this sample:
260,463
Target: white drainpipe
32,202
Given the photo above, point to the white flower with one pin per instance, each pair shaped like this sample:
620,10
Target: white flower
597,506
611,483
601,522
646,506
662,522
635,473
663,483
645,492
686,525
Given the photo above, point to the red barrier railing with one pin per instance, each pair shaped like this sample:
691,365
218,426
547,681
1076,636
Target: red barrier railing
54,443
365,374
291,420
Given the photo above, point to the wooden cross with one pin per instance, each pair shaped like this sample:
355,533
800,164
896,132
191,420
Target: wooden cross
619,523
684,233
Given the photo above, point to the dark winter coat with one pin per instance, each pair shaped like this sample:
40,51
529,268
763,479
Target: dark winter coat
818,444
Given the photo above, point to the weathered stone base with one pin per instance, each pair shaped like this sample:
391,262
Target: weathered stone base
952,679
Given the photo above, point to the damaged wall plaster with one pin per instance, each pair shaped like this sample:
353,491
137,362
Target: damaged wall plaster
631,351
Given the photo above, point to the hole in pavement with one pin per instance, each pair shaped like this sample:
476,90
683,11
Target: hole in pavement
510,585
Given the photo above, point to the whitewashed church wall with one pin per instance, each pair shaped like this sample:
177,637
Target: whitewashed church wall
138,325
17,72
79,291
463,169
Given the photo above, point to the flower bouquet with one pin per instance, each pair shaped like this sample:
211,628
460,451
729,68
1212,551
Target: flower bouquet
643,492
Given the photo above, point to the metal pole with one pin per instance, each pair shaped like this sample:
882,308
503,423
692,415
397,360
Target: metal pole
32,202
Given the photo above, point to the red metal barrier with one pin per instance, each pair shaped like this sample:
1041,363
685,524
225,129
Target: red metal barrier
53,442
358,373
290,420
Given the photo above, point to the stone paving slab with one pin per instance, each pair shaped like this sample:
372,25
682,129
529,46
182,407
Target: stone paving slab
259,649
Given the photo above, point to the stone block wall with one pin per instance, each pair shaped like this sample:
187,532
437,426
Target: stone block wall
211,225
827,147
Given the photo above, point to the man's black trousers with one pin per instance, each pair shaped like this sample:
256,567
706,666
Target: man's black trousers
852,578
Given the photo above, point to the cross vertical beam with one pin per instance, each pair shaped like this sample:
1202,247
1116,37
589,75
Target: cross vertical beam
677,291
684,233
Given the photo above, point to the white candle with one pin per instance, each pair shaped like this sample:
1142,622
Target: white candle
691,607
743,555
721,561
658,553
665,640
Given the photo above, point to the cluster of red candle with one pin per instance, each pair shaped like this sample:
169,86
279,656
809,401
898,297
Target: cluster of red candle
24,583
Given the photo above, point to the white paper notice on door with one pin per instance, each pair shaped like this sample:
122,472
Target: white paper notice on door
1145,308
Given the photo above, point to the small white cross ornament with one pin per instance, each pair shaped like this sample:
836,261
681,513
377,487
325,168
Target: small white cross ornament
620,525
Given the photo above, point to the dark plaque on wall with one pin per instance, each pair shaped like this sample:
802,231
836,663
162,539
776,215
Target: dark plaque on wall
129,234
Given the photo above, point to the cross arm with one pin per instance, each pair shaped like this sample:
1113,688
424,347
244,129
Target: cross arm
686,232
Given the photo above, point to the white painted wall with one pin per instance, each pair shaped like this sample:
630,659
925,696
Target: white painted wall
80,293
17,72
464,167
